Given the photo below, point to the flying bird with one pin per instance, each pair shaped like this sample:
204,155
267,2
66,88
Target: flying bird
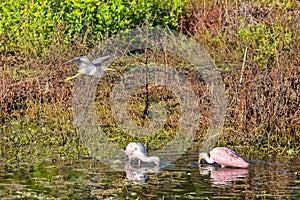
224,157
139,151
85,66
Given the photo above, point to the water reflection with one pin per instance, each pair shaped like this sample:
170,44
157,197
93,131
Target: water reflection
138,175
267,178
224,176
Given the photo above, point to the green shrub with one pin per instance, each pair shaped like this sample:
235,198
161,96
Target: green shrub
266,41
33,23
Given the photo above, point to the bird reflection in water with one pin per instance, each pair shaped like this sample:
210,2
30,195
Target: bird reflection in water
138,175
223,176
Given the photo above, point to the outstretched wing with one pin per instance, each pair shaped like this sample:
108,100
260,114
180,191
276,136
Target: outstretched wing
87,67
81,61
98,61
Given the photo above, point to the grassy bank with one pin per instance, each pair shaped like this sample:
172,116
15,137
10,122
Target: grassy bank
255,45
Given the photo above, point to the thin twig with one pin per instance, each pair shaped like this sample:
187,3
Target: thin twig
243,66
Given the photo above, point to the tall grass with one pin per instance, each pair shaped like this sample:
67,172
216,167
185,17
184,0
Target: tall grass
256,45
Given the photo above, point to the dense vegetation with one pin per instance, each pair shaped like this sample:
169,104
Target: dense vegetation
255,45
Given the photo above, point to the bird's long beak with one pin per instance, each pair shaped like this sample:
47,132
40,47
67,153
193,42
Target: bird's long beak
200,159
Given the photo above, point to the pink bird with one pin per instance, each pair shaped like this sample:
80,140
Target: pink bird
226,176
138,150
224,157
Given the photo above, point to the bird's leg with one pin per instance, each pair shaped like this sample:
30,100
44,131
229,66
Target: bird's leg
109,69
129,160
72,77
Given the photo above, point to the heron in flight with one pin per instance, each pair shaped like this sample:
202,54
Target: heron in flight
85,66
138,150
224,157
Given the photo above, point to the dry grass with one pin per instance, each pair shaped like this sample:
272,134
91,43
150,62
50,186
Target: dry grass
264,94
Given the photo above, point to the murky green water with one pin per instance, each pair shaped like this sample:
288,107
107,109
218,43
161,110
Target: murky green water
88,179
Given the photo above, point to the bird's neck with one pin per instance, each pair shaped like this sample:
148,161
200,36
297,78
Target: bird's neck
209,159
143,157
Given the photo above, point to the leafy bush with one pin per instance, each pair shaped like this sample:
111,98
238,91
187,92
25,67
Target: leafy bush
27,24
266,41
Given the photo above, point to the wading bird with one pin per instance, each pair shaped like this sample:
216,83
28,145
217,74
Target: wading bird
85,66
139,151
224,157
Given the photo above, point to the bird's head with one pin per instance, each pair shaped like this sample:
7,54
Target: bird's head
130,149
135,148
156,160
202,156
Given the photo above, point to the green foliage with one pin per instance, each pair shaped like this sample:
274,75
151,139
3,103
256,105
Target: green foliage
265,41
26,24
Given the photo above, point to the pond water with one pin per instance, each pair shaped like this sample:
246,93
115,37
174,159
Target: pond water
268,178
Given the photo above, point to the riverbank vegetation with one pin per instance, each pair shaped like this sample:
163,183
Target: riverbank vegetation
255,45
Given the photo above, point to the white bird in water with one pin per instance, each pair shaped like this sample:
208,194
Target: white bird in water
224,157
85,66
139,151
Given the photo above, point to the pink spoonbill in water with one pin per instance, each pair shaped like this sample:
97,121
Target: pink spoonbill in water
139,151
224,157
